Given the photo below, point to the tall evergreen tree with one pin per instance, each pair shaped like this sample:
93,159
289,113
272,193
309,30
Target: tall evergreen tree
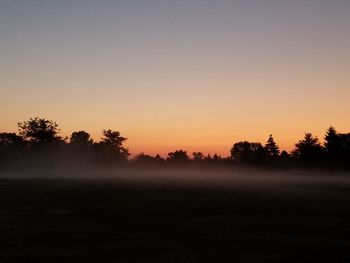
337,147
271,149
331,139
309,150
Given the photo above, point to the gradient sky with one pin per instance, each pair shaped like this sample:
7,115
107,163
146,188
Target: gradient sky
195,74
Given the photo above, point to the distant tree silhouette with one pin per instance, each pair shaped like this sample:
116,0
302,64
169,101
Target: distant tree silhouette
344,146
216,160
272,151
159,159
285,160
45,148
331,139
144,160
177,157
248,153
143,157
337,146
285,156
39,145
40,132
12,148
332,144
309,150
111,146
208,158
197,156
81,148
80,140
216,157
11,140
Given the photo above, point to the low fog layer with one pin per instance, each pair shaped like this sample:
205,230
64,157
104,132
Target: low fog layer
208,179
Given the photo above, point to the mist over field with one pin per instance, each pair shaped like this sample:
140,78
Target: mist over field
211,178
244,215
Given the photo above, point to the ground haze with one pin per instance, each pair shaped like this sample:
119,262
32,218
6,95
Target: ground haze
172,217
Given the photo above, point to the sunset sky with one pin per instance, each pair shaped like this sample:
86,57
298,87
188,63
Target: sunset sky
197,74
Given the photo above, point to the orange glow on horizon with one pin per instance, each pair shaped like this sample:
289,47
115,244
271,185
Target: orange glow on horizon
209,141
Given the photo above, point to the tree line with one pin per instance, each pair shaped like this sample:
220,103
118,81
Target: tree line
38,144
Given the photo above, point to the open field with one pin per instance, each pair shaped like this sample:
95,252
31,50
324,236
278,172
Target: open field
114,220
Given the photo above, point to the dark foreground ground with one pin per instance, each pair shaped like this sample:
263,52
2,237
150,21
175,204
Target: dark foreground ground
75,220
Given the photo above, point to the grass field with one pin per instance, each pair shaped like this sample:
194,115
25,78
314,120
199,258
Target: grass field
111,220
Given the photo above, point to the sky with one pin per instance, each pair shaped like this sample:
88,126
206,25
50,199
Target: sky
197,75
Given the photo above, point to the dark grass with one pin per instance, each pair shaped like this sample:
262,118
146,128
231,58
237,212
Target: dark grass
75,220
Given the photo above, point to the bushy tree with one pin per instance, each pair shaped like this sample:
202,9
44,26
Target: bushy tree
197,156
145,160
40,132
111,146
81,148
141,157
80,140
248,153
159,159
12,148
8,139
177,157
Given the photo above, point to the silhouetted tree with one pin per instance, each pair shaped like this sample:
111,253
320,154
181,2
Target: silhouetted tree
309,150
80,140
197,156
332,145
45,147
344,146
216,157
40,132
81,148
39,145
248,153
215,160
337,146
141,157
285,156
208,158
11,140
177,157
159,159
285,160
111,146
331,139
12,148
144,160
271,150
